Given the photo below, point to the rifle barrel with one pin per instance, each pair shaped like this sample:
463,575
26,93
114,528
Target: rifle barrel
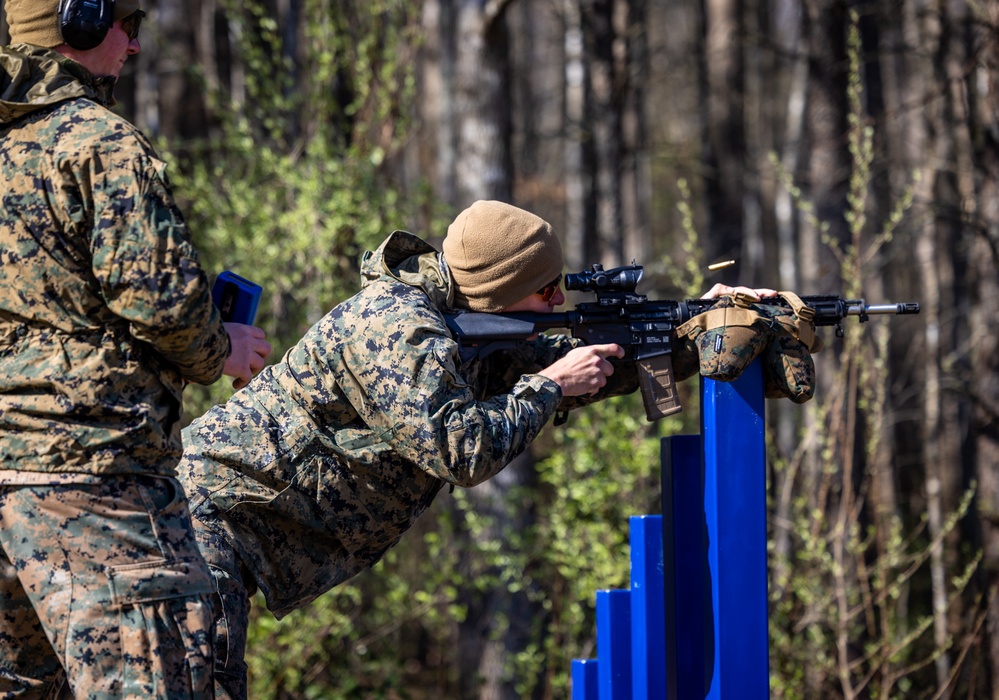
900,309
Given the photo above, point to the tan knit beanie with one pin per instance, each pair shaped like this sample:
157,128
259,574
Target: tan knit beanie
37,21
499,254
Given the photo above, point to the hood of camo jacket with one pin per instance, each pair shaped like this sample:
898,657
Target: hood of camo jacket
33,78
412,261
105,311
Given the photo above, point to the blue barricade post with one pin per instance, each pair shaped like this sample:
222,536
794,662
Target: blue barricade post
693,626
687,585
648,636
614,644
585,679
717,641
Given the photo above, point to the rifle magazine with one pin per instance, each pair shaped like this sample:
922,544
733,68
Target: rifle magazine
655,377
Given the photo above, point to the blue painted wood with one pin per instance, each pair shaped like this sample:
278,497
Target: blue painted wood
705,580
614,644
732,429
714,544
689,628
585,679
648,634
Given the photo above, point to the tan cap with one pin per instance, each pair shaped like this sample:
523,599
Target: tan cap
124,8
37,21
499,254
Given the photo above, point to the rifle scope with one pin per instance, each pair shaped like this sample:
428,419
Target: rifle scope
597,279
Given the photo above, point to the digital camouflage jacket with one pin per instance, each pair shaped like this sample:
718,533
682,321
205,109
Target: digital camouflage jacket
322,463
105,311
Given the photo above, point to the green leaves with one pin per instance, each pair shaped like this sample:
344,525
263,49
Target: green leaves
291,188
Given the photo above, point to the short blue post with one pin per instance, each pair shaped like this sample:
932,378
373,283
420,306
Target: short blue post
585,679
614,644
648,636
715,540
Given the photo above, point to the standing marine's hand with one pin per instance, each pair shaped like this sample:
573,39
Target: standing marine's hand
583,370
249,351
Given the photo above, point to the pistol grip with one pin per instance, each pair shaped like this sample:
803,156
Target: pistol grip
655,377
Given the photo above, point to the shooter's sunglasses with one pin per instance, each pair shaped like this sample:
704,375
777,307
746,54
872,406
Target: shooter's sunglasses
130,25
550,289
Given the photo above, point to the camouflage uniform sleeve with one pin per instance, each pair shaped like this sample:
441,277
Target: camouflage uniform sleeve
146,264
400,371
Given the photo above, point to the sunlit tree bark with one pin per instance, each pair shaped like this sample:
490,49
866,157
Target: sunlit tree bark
982,383
723,137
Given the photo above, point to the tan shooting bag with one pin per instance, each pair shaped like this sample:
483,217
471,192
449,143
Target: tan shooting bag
721,342
789,370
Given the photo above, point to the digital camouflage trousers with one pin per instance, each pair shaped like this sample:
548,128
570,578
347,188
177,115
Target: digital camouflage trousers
232,612
102,585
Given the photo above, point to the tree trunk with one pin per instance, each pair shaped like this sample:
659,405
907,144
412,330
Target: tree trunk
636,193
787,417
482,104
579,223
437,105
499,622
982,383
829,167
605,106
722,82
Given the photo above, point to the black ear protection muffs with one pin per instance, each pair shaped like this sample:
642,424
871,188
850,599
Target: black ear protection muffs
85,23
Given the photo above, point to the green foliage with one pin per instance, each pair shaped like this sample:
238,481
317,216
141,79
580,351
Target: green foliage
600,468
293,185
288,190
688,277
383,634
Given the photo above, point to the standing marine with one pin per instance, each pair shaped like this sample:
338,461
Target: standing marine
105,315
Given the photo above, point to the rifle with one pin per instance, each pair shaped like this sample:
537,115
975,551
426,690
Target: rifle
644,328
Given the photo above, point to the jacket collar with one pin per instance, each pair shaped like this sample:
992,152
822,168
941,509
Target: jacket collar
33,78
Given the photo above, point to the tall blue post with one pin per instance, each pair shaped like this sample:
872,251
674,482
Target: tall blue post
687,581
715,544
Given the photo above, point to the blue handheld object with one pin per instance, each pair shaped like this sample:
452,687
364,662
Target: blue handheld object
237,298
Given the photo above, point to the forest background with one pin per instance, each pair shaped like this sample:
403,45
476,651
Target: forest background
826,146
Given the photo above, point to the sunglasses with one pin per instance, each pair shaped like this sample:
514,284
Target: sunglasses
551,289
130,25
